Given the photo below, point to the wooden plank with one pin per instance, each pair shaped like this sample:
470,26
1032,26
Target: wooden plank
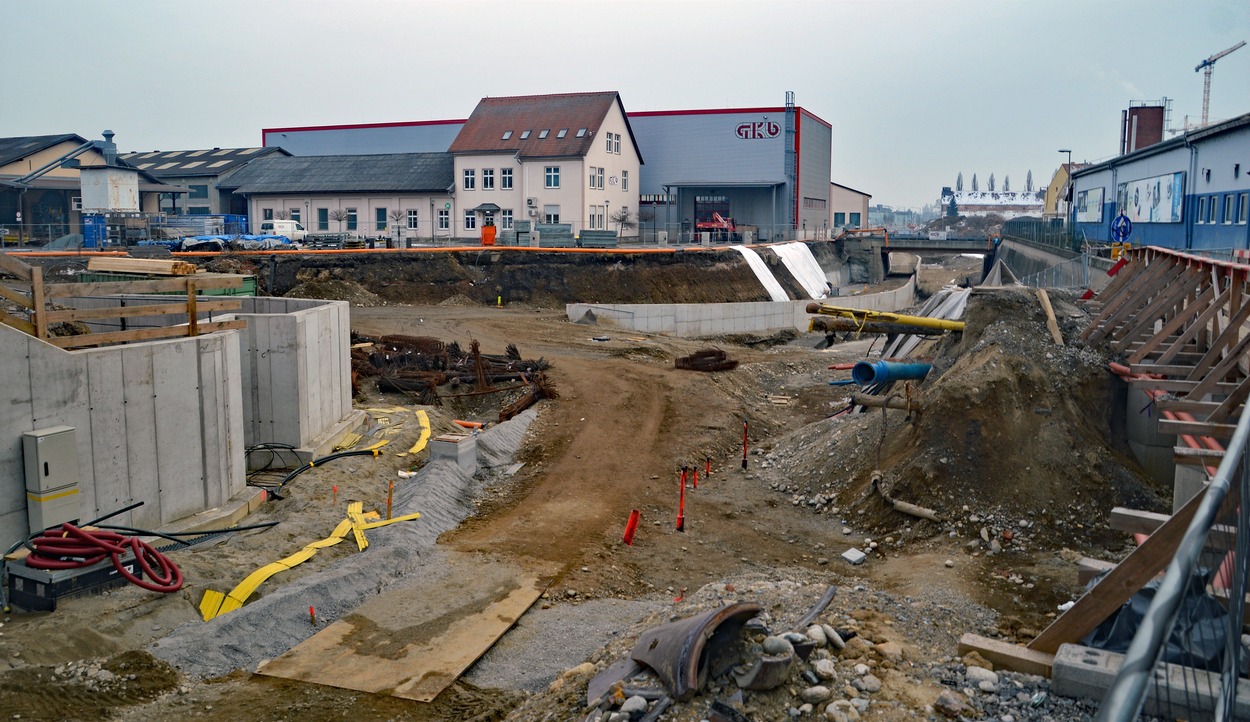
1202,407
1229,338
1135,521
1172,326
1197,428
1180,386
1139,296
1052,324
1166,370
1008,656
17,297
1167,298
17,323
109,288
1197,457
139,334
1123,295
149,266
1230,404
1191,333
39,304
193,320
1142,564
15,267
409,646
1115,292
177,306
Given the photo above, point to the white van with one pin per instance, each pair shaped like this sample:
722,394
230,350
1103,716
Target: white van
293,231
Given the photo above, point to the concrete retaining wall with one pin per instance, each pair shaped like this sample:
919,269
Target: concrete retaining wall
160,422
296,362
168,422
712,319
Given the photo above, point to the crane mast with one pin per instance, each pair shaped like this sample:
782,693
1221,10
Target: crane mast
1207,66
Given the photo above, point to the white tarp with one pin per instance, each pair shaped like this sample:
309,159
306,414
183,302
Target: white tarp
803,266
775,291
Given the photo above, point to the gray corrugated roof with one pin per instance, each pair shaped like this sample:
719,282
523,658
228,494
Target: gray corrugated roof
390,172
184,163
12,149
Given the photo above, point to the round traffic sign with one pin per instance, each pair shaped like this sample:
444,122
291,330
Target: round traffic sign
1121,228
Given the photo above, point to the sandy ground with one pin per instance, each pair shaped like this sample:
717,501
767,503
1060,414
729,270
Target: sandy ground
625,422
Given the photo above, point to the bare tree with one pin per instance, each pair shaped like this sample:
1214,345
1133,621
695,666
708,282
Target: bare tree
282,214
646,214
397,216
338,215
624,220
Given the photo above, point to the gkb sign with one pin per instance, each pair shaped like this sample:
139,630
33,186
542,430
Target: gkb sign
758,130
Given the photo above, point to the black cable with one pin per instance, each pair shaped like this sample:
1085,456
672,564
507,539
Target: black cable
273,489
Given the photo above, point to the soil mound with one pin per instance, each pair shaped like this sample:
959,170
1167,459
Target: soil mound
336,289
1010,425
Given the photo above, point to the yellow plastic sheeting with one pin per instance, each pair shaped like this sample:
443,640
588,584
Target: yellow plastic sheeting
215,604
349,441
424,439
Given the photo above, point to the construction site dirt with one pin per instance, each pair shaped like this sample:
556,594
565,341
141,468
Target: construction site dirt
1011,444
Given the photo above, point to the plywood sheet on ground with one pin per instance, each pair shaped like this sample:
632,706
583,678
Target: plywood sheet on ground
413,645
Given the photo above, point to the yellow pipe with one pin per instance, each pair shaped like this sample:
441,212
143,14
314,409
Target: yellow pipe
862,315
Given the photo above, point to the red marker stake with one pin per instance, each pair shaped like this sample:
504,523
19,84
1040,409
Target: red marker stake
707,460
681,504
312,616
389,495
696,477
336,494
631,526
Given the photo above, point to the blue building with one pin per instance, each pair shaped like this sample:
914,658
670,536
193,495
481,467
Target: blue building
1189,192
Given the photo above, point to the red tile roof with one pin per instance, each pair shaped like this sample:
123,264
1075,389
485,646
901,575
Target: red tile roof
484,131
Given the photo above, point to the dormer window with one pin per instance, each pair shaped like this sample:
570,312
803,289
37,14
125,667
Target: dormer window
525,134
507,134
563,132
542,134
581,132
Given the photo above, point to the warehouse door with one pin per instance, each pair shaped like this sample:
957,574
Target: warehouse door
705,206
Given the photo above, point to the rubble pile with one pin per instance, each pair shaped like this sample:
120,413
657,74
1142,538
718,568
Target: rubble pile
1012,436
866,655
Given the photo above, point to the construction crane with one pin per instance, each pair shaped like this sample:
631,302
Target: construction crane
1208,65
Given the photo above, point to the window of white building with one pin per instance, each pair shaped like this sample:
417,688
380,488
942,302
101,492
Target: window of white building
552,175
470,179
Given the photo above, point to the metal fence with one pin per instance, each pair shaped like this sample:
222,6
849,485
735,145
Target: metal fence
1187,659
1073,273
1044,232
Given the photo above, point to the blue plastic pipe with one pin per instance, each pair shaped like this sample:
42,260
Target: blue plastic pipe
880,372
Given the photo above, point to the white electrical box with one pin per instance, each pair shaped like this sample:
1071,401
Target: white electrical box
51,457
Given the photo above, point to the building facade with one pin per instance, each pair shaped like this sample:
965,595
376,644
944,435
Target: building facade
201,173
569,158
848,208
1189,192
767,169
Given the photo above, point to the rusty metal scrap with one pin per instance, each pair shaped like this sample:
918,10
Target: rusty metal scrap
708,359
679,652
540,388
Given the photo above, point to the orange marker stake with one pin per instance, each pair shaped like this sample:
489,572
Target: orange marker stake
696,477
312,616
389,495
707,471
336,495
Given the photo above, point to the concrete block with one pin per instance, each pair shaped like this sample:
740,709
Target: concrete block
854,556
1142,420
460,448
1175,692
1189,481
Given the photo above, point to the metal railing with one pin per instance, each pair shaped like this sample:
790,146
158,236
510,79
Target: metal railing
1209,690
1072,273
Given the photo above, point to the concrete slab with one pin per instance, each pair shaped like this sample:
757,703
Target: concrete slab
354,423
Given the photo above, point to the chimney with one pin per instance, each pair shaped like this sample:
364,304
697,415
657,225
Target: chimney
108,148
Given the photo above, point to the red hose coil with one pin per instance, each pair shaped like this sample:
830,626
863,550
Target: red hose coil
85,548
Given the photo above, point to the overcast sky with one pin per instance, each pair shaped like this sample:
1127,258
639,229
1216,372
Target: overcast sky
916,91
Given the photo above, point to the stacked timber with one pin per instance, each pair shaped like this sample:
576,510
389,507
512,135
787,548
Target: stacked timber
146,266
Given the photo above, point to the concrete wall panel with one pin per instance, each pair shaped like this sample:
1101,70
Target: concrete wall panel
141,458
175,407
108,438
15,418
